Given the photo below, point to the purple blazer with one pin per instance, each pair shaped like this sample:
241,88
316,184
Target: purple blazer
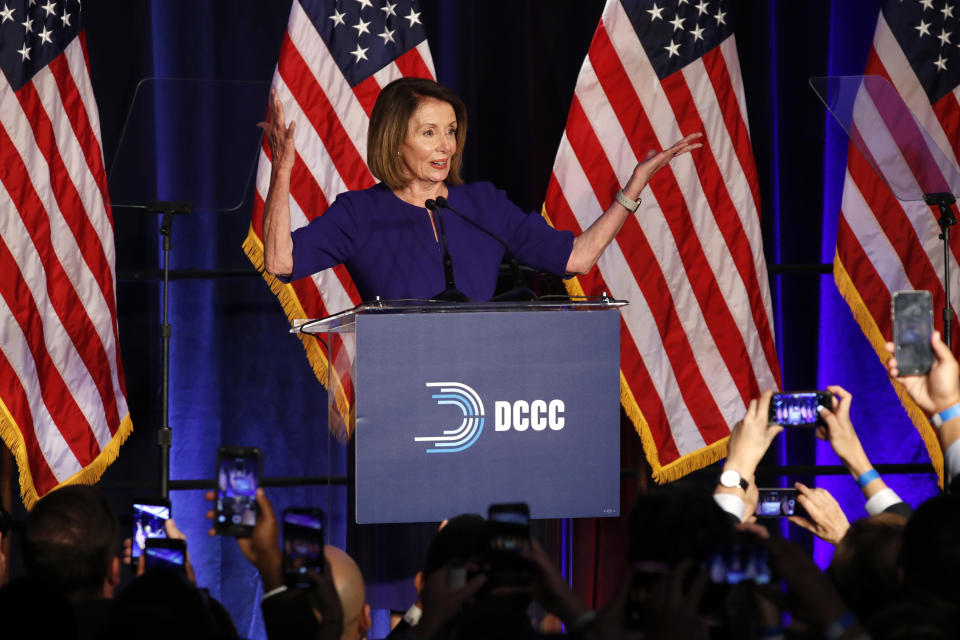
388,246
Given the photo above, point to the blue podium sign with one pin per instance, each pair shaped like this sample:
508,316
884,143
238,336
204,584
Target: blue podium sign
455,411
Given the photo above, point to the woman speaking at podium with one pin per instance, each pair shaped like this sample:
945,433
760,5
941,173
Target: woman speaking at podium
391,242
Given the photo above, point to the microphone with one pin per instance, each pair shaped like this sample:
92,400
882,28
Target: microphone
519,292
451,293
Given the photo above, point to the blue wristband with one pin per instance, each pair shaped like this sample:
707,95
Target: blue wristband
867,477
949,413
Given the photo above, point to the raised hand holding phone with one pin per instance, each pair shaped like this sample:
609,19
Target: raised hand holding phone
262,547
509,540
938,389
912,327
149,519
169,548
823,518
238,474
303,540
798,408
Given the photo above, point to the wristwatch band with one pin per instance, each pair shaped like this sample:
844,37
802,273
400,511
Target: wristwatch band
732,479
627,203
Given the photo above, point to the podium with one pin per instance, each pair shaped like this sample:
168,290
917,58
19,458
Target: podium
460,405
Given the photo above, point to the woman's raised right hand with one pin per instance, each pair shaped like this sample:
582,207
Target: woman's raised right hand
278,134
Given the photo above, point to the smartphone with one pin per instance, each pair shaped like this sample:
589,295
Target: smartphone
912,328
799,408
238,472
166,553
509,537
302,545
149,519
742,560
644,577
778,503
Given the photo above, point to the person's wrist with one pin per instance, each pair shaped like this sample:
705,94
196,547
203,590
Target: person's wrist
270,568
941,404
868,476
280,173
744,468
944,412
636,183
857,465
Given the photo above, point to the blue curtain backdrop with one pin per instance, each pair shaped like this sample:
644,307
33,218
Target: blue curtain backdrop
238,378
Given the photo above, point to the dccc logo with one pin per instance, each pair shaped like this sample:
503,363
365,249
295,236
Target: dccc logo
520,416
469,402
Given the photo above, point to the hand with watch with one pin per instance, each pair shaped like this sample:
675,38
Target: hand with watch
749,440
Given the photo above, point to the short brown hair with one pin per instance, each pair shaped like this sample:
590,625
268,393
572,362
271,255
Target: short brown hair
70,539
395,105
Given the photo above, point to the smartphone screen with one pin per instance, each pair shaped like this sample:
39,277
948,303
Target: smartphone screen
238,471
149,518
912,328
165,553
509,537
800,408
509,527
302,545
777,503
743,560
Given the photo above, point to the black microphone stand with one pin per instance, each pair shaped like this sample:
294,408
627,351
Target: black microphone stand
943,201
165,434
451,293
520,291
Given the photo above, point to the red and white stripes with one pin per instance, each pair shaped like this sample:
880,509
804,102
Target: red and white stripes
64,410
697,340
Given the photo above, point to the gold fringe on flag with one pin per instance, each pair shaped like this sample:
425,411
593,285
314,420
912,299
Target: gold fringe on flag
682,465
11,435
870,329
253,248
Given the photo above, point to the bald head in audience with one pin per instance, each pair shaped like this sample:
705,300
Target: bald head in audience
348,582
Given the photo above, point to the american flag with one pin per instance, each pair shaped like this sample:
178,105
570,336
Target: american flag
697,337
883,244
64,410
335,58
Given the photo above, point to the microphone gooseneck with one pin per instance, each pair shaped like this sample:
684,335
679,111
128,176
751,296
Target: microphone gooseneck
519,292
450,293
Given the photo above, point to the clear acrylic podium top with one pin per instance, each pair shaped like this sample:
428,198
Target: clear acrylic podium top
188,140
890,136
345,320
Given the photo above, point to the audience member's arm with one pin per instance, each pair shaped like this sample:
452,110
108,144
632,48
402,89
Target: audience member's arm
551,590
286,613
441,602
674,606
827,520
262,548
839,432
749,440
937,393
810,595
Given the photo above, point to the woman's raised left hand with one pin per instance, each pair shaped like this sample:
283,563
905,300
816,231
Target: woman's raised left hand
655,161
